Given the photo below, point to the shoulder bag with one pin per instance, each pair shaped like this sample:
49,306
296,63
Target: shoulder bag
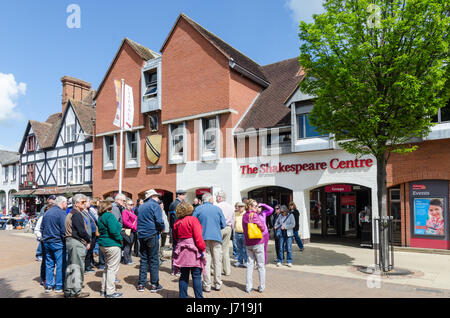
253,231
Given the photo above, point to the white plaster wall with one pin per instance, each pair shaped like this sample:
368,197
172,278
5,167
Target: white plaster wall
226,174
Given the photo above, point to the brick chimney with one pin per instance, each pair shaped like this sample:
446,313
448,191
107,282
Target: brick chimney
73,88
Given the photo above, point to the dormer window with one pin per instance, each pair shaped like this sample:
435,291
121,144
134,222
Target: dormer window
151,84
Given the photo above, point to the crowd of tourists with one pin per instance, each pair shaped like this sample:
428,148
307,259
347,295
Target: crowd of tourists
71,232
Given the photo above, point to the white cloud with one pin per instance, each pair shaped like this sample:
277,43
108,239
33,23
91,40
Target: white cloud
9,92
304,9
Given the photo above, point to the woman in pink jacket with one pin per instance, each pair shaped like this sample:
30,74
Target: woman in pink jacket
129,223
264,211
255,247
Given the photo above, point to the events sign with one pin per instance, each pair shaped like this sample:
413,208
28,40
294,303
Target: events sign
429,202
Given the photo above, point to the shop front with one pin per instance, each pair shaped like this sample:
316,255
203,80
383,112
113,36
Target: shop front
298,178
338,209
418,196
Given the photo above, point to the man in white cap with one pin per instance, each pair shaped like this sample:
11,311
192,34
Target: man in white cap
149,225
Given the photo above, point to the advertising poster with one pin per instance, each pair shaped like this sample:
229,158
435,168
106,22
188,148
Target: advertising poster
429,216
429,209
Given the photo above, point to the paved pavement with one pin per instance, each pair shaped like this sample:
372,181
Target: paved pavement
323,270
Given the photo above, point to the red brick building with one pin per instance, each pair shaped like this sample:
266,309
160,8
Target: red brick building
414,179
139,174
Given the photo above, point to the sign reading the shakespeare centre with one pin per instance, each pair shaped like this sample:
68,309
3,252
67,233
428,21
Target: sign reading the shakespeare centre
334,164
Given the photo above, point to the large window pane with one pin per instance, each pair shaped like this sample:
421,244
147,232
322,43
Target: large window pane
310,130
301,126
209,134
445,113
177,138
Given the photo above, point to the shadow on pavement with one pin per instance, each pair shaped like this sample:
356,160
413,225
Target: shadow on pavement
316,256
7,292
233,284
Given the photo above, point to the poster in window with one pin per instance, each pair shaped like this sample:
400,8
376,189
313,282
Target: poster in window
429,216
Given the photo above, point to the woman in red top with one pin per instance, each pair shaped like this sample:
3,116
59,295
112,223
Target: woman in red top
188,256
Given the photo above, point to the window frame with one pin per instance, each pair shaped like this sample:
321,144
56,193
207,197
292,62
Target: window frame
149,83
62,182
108,163
131,162
30,172
80,166
205,153
177,157
304,129
70,136
31,143
5,173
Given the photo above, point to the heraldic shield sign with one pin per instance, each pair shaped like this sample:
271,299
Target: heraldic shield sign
153,147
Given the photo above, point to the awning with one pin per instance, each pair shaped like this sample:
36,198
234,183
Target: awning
24,193
54,191
64,190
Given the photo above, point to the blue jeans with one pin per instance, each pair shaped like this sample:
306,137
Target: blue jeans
240,247
55,257
285,245
39,250
3,224
235,253
298,240
149,248
196,280
42,249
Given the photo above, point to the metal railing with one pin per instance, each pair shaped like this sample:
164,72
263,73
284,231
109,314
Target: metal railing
384,255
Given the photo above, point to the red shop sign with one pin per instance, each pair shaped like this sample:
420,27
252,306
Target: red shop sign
348,200
338,188
202,191
160,192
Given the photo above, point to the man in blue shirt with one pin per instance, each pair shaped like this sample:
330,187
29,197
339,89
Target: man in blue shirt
213,221
149,224
53,234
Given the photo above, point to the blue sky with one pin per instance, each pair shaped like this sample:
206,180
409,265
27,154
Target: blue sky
37,47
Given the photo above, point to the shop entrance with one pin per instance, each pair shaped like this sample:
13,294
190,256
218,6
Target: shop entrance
271,195
335,210
166,197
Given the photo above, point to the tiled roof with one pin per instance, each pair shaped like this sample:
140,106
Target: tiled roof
47,133
41,131
143,52
9,157
269,109
85,114
227,50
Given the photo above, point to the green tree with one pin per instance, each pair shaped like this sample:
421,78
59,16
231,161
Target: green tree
378,72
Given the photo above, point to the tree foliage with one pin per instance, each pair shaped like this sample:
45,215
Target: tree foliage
379,73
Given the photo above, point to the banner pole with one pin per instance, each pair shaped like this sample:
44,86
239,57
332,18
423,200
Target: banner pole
121,133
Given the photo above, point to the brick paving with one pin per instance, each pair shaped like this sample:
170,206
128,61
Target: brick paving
19,278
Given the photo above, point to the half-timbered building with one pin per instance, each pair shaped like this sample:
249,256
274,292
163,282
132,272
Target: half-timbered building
56,155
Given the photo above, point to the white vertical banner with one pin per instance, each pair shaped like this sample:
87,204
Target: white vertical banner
128,108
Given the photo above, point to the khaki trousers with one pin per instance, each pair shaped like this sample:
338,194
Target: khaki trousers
112,256
226,264
76,253
213,259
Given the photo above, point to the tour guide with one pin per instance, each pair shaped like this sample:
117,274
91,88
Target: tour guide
149,224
